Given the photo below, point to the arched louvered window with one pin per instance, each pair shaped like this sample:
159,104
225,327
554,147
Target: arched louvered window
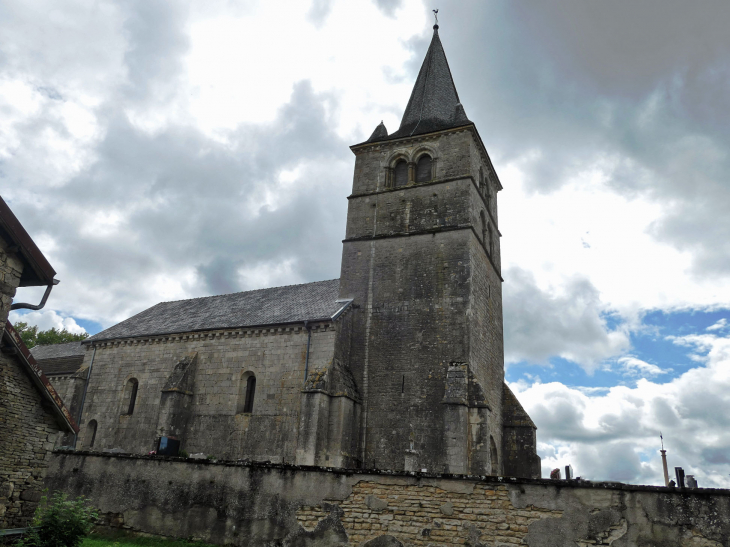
490,240
401,173
130,396
246,392
424,168
90,434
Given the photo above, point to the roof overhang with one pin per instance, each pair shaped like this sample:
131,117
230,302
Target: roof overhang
19,350
37,270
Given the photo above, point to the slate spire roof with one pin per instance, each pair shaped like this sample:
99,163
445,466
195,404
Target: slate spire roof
434,104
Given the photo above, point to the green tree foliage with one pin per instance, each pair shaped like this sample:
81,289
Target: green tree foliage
62,522
31,336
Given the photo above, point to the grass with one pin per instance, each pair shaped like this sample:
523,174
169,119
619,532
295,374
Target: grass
126,539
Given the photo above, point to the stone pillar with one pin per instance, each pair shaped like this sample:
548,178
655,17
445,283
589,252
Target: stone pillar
176,400
313,428
479,459
411,172
456,418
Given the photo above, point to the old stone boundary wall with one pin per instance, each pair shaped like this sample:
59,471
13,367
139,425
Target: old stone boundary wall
260,504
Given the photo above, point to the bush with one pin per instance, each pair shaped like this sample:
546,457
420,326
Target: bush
60,523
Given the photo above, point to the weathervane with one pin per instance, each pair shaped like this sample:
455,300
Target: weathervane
436,15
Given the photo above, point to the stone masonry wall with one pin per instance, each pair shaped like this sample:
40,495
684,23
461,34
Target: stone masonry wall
28,432
10,270
276,355
279,505
427,296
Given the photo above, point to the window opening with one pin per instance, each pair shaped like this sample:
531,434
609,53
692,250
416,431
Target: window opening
91,434
423,169
246,392
130,396
401,173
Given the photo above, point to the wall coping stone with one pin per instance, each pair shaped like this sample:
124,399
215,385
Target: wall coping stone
560,483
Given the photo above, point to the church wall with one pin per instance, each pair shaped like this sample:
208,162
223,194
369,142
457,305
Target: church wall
417,326
250,504
276,355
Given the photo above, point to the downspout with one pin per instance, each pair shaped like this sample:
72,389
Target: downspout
83,397
24,306
309,341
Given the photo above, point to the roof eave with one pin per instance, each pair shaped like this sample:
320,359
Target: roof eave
41,272
39,379
91,341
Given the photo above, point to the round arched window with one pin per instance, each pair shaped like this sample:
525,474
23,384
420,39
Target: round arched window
424,168
401,173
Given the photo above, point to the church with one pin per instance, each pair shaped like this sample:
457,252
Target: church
397,365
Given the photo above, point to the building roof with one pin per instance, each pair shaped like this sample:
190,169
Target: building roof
434,104
273,306
12,339
59,358
37,270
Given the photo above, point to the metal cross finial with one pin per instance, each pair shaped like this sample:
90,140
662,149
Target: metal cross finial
662,438
436,15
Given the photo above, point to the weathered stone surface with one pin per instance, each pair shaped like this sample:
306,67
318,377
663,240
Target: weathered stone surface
376,504
261,505
383,541
447,508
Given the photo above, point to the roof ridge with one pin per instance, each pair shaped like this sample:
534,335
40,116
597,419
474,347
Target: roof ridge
243,292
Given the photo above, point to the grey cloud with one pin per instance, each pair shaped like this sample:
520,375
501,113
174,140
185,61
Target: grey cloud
388,7
538,325
187,208
640,86
319,11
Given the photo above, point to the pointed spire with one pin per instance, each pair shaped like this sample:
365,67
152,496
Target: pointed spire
434,104
379,134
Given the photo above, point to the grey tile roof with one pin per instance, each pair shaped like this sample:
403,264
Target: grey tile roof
54,351
276,305
59,358
434,104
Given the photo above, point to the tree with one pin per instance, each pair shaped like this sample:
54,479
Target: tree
31,336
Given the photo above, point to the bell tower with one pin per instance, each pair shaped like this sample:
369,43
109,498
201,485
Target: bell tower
421,263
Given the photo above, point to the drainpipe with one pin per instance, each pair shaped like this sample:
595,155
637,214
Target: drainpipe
309,341
83,397
24,306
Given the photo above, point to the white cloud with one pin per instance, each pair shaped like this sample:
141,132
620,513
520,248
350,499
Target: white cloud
615,435
720,325
47,319
636,367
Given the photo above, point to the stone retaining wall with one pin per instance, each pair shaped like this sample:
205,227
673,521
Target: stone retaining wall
264,504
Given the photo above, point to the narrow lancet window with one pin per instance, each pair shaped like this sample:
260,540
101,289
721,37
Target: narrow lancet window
246,392
130,396
90,434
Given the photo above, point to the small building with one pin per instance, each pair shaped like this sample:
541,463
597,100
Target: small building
32,414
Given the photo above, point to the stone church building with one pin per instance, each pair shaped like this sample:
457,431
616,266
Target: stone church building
398,364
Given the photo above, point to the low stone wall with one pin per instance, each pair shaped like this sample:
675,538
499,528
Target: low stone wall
251,504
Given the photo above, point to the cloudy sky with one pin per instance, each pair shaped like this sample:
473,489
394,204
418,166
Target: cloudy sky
165,150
